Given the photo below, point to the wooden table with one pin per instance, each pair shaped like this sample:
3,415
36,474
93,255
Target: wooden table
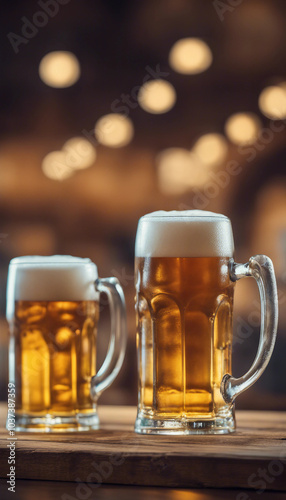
252,459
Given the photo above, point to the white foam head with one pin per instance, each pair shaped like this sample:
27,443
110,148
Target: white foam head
189,233
50,278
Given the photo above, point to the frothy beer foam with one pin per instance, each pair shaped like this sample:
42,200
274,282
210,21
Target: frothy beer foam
189,233
51,278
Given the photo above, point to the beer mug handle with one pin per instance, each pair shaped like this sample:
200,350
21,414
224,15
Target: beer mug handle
261,269
118,337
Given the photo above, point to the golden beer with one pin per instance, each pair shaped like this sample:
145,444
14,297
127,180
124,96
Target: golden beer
184,311
55,356
185,277
53,312
184,303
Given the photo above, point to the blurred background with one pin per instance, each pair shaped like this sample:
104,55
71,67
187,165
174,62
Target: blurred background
112,109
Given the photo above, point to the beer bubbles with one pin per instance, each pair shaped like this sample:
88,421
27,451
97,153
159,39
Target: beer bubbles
59,69
114,130
157,96
272,102
243,128
190,56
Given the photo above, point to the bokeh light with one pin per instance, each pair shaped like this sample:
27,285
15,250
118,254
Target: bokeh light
114,130
190,56
272,102
211,149
242,128
59,69
80,153
55,167
157,96
179,171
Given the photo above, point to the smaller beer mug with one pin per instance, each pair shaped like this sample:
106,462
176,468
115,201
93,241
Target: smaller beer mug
53,311
185,277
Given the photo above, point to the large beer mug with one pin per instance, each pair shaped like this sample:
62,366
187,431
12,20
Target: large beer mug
53,312
185,277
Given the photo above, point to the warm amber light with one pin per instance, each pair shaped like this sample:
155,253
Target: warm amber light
211,149
80,153
190,56
242,128
114,130
178,171
59,69
55,167
157,96
272,102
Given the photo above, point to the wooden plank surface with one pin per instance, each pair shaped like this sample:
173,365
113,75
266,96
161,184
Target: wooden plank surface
253,457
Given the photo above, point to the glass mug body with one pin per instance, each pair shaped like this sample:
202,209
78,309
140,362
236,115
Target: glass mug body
53,312
184,306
